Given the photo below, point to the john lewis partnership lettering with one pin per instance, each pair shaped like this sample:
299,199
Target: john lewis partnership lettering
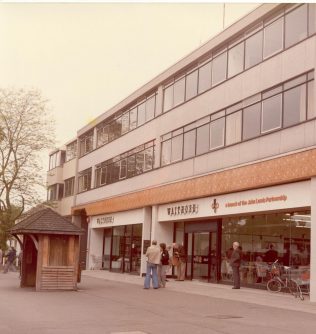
261,200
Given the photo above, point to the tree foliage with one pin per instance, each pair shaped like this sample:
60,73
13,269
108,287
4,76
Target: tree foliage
26,130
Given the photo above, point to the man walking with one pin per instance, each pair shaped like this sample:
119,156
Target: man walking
153,259
235,261
10,259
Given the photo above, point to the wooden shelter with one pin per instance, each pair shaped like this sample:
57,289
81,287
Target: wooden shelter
50,246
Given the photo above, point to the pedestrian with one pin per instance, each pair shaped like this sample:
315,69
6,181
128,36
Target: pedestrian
11,256
180,258
1,258
235,261
163,266
153,259
20,257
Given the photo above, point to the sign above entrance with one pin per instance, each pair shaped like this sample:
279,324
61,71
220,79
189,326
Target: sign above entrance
294,195
117,219
106,220
182,210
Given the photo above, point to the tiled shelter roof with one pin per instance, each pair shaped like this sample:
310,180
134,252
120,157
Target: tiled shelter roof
46,221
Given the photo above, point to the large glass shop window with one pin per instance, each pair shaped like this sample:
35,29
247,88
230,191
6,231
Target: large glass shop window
265,238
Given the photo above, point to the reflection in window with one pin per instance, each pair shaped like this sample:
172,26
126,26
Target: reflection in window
176,148
71,151
125,123
189,144
202,139
311,110
219,68
149,158
251,121
296,26
191,85
141,114
253,51
69,186
166,152
140,159
271,113
86,143
131,166
84,180
150,108
233,128
179,91
115,129
102,135
168,98
123,169
52,193
294,106
273,38
236,60
205,77
217,133
133,119
288,234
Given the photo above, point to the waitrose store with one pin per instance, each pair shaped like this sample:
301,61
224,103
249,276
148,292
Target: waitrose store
269,223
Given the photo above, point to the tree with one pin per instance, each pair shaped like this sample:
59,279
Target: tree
26,130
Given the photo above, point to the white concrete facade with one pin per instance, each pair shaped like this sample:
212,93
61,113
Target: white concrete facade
281,69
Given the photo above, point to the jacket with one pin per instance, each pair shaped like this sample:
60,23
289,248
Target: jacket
235,258
153,254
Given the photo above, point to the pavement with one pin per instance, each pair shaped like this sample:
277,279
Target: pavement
112,303
281,300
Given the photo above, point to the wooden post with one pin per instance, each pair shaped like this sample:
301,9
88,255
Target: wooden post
39,262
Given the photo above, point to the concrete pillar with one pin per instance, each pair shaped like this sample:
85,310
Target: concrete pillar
313,241
146,235
162,232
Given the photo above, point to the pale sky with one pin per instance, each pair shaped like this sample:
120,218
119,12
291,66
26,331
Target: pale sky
85,58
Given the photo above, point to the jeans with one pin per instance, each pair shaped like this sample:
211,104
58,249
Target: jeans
151,272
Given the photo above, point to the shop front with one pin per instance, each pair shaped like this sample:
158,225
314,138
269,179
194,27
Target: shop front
115,241
270,224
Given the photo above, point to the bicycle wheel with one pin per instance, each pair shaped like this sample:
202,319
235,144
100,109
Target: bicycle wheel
274,285
293,287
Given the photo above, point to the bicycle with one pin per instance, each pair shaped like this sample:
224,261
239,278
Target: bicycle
276,283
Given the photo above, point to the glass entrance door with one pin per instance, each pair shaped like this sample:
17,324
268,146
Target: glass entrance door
202,256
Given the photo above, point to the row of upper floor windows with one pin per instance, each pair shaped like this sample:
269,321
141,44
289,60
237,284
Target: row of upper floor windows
287,104
58,158
129,164
57,191
114,128
248,50
262,41
282,106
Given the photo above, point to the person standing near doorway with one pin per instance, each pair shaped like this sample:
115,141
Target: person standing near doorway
180,254
235,261
153,259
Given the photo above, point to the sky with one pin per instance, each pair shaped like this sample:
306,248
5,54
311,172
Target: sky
85,58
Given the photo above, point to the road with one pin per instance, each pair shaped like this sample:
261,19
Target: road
111,307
